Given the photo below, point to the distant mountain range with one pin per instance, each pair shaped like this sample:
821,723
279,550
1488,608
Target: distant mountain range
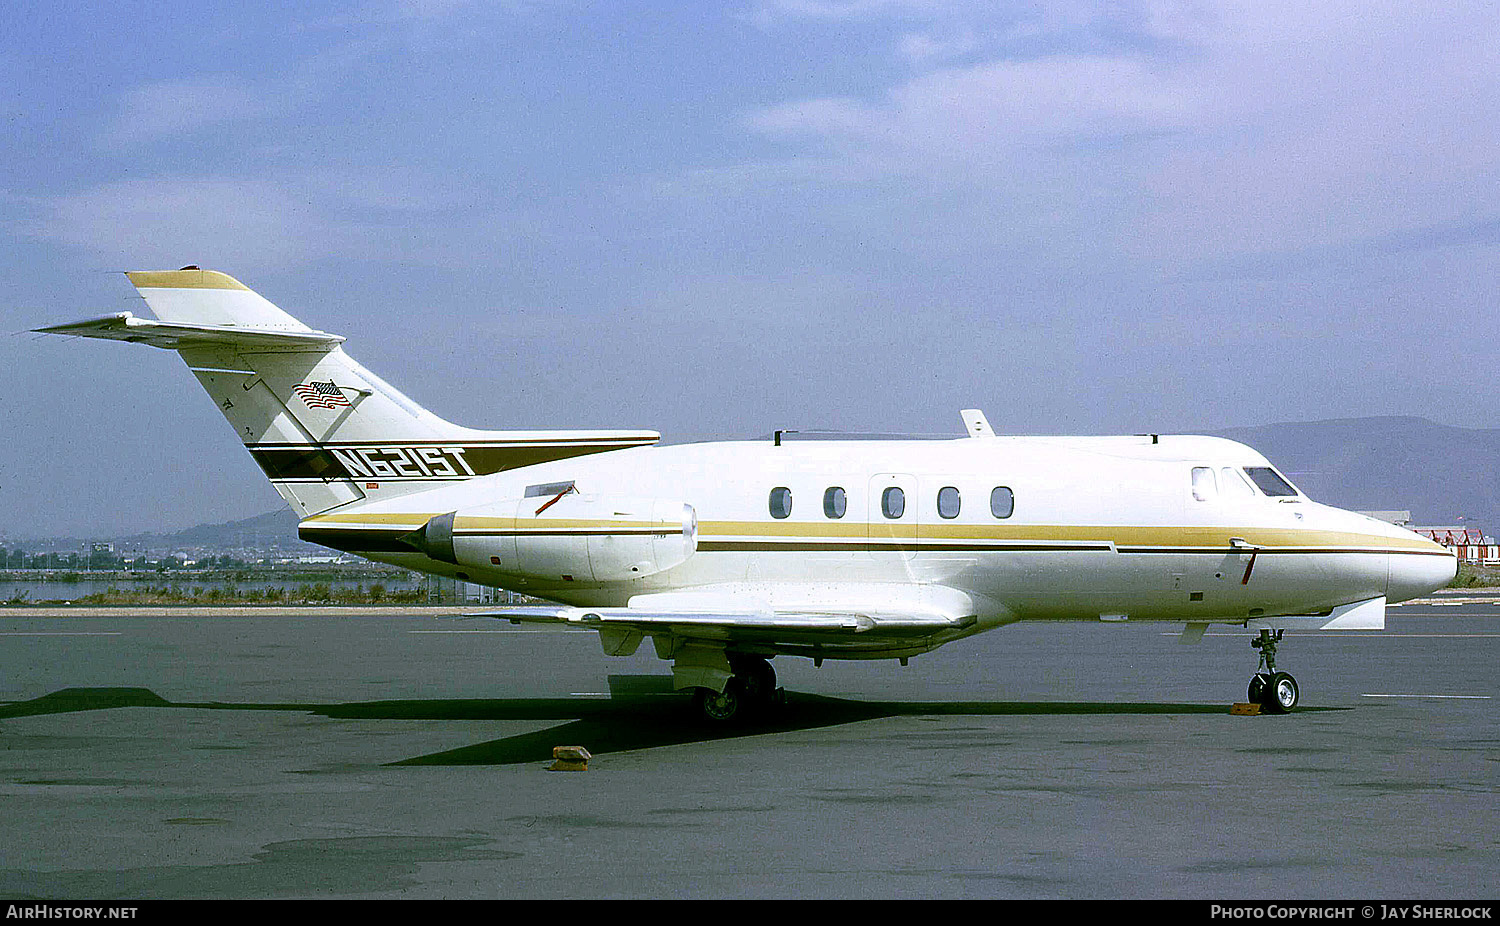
265,531
275,530
1440,474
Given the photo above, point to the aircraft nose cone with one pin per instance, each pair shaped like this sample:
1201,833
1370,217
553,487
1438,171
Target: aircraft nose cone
1412,574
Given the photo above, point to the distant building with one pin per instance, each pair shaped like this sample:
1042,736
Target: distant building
1469,543
442,590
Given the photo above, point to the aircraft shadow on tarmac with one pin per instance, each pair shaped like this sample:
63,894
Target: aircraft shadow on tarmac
633,718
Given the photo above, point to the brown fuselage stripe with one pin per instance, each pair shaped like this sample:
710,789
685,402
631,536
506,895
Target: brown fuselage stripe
406,460
388,541
429,442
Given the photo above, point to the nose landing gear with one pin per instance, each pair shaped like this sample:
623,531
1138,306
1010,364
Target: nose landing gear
1277,692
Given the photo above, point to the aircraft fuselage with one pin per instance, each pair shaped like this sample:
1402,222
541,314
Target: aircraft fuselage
1037,528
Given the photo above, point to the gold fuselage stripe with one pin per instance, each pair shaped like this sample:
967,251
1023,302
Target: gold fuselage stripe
1126,537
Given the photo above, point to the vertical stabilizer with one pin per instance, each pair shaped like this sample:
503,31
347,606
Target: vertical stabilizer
325,430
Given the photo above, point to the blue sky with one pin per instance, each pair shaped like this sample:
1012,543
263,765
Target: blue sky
719,219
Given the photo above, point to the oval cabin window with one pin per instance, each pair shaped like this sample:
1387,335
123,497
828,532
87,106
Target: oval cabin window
835,502
1002,502
893,503
948,502
781,502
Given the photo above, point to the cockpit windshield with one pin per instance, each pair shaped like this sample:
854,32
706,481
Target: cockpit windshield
1270,481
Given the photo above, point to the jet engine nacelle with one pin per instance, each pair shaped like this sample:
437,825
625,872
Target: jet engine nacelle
571,538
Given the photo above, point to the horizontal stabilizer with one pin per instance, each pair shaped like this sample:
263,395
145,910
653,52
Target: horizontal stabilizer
326,431
125,326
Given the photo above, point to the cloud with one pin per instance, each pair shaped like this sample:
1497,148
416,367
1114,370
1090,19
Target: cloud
774,11
357,213
1052,74
968,115
174,108
168,222
440,10
1333,125
923,47
1215,130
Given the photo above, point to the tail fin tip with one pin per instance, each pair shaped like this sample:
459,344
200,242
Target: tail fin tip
190,277
207,297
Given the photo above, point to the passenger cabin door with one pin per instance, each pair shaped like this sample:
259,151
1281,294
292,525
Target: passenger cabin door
892,516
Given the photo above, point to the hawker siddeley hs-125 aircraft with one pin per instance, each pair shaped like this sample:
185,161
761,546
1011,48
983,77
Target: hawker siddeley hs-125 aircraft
729,554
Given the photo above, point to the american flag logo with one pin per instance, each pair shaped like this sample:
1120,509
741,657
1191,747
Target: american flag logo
320,395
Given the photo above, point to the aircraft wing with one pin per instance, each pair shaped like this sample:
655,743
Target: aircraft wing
800,621
902,610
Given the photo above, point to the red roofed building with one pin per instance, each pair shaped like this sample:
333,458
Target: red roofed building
1470,543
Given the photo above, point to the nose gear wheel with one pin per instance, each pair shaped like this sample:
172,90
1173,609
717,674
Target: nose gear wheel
1276,692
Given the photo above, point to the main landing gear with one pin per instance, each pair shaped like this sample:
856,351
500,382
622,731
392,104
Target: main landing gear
751,690
1274,691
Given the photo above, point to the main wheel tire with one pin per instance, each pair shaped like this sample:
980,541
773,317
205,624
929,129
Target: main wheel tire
757,681
720,707
1282,694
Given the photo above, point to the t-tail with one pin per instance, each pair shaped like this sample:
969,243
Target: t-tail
326,431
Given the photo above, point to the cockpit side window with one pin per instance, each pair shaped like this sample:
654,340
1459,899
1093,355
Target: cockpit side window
1233,485
1203,483
1269,481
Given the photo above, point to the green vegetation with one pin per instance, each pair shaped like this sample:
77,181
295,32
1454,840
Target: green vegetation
314,593
219,581
1476,577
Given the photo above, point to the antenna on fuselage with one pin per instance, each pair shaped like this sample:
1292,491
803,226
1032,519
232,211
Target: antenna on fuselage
976,424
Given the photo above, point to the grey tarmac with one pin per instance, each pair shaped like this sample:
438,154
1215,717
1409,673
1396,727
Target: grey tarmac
403,753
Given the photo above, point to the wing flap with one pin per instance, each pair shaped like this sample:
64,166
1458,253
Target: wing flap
903,610
126,326
663,620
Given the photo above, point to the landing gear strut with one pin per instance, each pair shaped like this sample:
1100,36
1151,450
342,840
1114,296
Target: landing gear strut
751,690
1277,692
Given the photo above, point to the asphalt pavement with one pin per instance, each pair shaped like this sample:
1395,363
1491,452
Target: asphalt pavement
306,753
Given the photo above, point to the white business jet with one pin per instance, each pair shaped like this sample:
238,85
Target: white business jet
728,554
